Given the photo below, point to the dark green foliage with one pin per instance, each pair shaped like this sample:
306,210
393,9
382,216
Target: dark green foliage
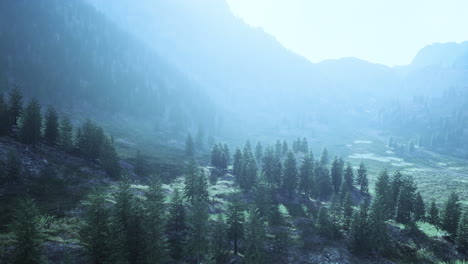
176,227
255,239
4,117
219,246
218,157
12,167
227,153
324,186
263,199
284,148
189,147
337,174
290,174
378,236
109,159
306,175
47,186
27,228
362,180
196,184
31,128
433,214
237,163
258,152
383,194
281,245
336,217
419,208
51,132
248,173
279,148
324,158
360,229
462,234
89,140
396,185
347,212
324,223
66,135
405,202
198,235
15,108
95,233
305,146
235,221
451,215
348,180
154,223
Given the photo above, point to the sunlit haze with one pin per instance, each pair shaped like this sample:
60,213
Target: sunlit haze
387,32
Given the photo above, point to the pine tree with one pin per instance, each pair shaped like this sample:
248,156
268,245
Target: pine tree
281,245
396,185
235,222
383,193
324,187
15,108
140,165
337,174
361,179
27,228
278,148
176,227
95,232
360,243
51,132
109,159
237,164
324,158
405,203
198,242
268,166
419,208
347,212
248,173
336,215
195,183
462,234
219,246
324,223
378,235
451,214
284,149
255,238
433,216
305,145
89,140
258,152
66,135
189,147
32,123
227,153
348,179
4,117
306,180
154,223
263,199
290,174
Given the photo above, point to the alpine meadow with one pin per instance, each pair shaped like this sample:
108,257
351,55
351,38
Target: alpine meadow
233,132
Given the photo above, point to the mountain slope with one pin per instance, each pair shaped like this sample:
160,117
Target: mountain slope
66,53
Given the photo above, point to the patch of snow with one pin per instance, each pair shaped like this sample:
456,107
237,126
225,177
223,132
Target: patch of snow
362,142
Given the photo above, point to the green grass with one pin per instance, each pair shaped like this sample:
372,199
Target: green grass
430,230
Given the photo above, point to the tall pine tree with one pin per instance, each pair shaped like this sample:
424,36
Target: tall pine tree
31,129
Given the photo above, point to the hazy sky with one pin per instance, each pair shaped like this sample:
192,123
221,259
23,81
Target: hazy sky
383,31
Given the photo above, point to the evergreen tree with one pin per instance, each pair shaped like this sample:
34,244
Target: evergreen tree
337,174
235,222
4,117
419,208
306,180
255,238
269,165
154,223
396,185
196,185
32,123
324,186
51,132
281,245
176,227
89,140
216,157
362,180
305,145
15,108
378,235
95,232
336,215
248,173
433,216
28,234
66,134
324,223
284,149
109,159
263,199
227,153
12,167
462,234
324,158
189,147
278,148
360,243
219,246
198,242
237,164
290,174
348,179
347,212
258,152
405,203
451,214
383,194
